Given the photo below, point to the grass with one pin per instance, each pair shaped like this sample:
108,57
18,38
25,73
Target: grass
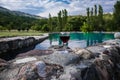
21,33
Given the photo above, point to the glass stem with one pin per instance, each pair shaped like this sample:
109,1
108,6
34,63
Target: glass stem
64,46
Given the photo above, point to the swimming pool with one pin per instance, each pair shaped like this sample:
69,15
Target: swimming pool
77,39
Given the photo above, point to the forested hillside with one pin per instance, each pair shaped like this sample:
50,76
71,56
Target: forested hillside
95,20
16,20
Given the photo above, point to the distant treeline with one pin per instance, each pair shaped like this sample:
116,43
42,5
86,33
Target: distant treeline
95,20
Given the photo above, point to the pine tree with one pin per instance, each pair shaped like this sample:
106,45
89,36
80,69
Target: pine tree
95,10
50,23
62,20
100,17
117,15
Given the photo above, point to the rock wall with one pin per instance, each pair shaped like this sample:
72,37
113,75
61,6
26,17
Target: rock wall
101,62
14,43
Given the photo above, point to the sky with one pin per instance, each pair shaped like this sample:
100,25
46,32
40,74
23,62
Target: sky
44,7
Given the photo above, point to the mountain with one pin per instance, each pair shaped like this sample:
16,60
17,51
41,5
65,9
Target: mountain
18,13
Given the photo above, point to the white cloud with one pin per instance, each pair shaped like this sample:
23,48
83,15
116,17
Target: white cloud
77,7
53,8
14,4
44,7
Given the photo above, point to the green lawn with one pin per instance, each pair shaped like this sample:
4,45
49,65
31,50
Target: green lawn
21,33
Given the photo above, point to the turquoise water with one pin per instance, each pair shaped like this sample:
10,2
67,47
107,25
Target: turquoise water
77,39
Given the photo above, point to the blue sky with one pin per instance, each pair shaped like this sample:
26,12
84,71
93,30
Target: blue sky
44,7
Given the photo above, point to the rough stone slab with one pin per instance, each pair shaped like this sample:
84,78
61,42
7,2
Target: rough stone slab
29,71
14,43
25,60
61,59
35,53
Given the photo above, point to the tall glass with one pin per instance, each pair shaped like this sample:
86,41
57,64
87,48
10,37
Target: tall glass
64,37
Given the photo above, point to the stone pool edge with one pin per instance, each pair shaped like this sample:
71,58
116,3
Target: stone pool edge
14,43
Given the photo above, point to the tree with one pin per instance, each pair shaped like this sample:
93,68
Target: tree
92,20
88,12
68,27
88,16
109,25
91,12
95,18
9,26
45,28
2,28
25,26
95,21
50,23
62,19
100,17
64,13
54,24
76,22
85,27
117,15
36,27
95,10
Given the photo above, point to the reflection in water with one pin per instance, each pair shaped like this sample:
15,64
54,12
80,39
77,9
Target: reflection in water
81,40
90,38
43,46
93,38
77,43
54,38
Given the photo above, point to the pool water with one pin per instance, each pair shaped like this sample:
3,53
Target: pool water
77,39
